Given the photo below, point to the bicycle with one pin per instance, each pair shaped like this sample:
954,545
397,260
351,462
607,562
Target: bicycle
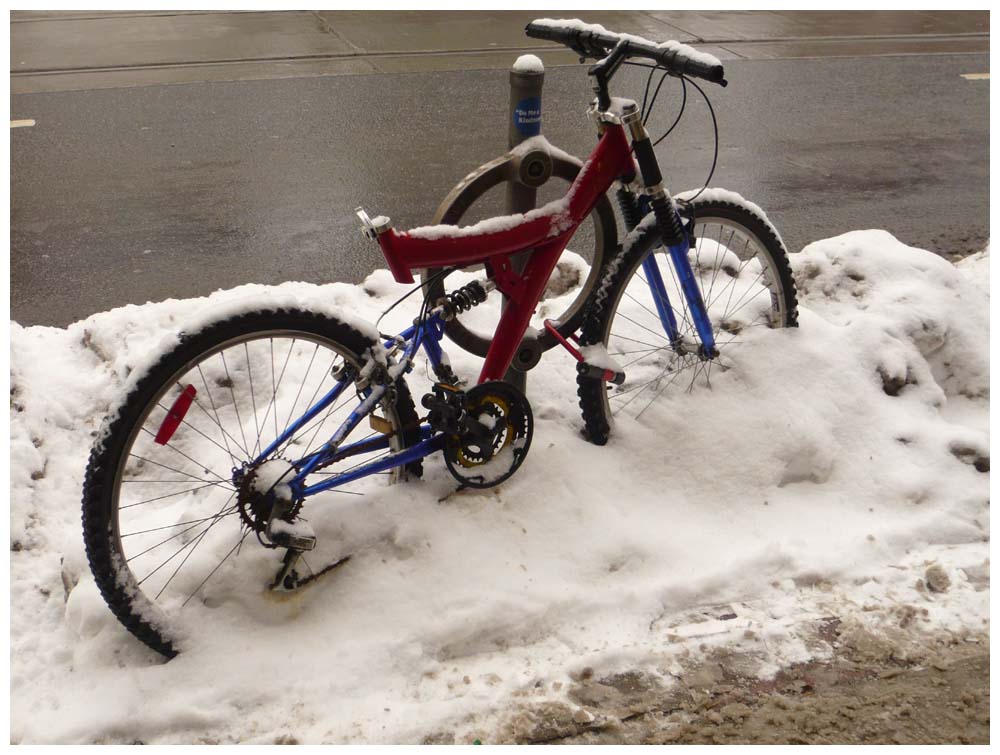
189,456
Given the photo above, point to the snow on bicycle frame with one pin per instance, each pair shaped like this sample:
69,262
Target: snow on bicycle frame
543,232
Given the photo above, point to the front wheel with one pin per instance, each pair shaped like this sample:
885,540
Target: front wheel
173,515
742,269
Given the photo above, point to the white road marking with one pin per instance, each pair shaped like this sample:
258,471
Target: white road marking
22,123
975,76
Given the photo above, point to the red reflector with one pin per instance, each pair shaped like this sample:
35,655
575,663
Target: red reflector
175,416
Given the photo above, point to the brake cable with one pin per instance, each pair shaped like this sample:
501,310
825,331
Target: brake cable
432,279
680,113
715,129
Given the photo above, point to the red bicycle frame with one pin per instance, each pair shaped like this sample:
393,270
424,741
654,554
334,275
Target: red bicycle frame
543,234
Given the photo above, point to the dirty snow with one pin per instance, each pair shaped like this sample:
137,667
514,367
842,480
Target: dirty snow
824,477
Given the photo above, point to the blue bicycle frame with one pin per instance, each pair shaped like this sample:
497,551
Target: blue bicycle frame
428,335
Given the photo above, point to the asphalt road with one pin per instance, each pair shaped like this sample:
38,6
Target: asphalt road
135,194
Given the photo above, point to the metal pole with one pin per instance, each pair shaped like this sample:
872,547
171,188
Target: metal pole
525,121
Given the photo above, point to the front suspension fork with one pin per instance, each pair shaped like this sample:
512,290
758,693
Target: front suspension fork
633,211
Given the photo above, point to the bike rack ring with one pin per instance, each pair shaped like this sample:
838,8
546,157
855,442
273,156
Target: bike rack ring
529,169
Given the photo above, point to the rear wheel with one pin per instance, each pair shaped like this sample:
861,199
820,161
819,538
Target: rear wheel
173,520
742,268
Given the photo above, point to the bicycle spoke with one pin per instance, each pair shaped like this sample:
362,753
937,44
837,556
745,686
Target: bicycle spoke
226,512
740,303
215,409
291,412
636,340
167,548
178,471
715,266
312,440
172,447
661,390
679,315
253,398
162,497
206,437
640,325
193,541
654,314
645,385
309,405
171,526
724,253
236,405
281,377
184,561
643,355
225,434
224,558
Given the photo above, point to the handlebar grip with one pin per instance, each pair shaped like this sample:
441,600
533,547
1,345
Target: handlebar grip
588,44
698,69
551,33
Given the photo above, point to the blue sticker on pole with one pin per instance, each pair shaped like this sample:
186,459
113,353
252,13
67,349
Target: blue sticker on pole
528,116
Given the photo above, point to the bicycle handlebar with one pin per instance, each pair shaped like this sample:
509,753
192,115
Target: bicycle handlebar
593,41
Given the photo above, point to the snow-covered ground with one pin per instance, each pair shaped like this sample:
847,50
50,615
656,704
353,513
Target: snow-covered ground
824,477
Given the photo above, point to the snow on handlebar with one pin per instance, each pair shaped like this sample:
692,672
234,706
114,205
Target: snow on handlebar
594,41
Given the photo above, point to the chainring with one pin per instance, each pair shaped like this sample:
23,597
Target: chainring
496,439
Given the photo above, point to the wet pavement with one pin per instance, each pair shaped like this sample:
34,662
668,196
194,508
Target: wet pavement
58,50
123,193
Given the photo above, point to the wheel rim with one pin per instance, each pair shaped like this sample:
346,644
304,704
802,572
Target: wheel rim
177,518
742,290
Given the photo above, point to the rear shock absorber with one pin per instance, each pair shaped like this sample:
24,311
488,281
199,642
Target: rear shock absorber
449,307
465,298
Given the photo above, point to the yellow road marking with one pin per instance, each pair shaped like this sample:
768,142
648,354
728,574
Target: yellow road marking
22,123
975,76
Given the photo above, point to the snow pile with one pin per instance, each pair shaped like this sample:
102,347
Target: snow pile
824,476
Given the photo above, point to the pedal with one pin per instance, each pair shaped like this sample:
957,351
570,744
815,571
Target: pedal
582,366
297,536
599,373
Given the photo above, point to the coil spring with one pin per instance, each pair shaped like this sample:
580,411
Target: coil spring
629,208
464,298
